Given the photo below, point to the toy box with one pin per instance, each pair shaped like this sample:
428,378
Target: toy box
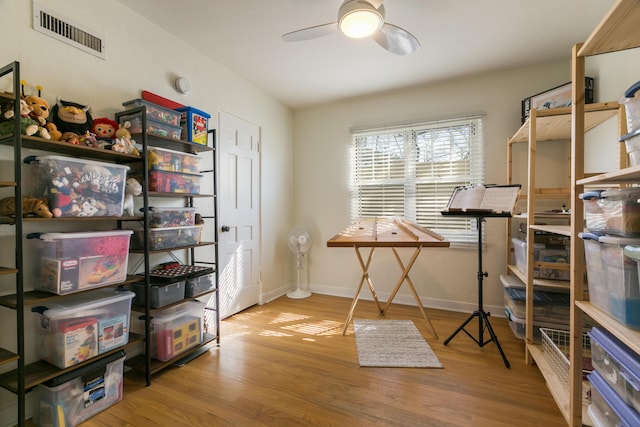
161,159
617,364
76,396
155,112
518,326
76,187
176,330
613,276
607,407
167,238
76,328
72,262
195,124
621,211
594,217
199,284
160,294
170,182
162,217
153,127
551,307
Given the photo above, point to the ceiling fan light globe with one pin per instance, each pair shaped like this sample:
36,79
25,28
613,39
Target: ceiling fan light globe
358,20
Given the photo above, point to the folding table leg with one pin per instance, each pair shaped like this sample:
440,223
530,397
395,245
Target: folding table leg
365,276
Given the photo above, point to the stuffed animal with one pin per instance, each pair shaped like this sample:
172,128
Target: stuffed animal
71,117
123,142
104,128
70,138
30,206
132,188
28,126
54,133
38,109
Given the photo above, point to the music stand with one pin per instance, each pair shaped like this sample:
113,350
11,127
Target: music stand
501,206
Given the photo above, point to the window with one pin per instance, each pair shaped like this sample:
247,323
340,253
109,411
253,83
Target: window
411,171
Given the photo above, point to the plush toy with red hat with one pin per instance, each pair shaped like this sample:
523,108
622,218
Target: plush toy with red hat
104,128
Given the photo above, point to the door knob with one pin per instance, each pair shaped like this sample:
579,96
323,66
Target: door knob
225,228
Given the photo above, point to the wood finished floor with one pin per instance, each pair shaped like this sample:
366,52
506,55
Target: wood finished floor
286,364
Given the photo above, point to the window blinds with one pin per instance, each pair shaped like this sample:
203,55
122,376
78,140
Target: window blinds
411,171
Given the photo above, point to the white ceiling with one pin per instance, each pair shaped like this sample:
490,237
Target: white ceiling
458,37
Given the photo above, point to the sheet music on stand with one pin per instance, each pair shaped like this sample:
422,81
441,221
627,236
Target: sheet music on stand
478,199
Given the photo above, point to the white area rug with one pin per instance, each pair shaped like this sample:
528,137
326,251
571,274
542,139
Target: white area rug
393,343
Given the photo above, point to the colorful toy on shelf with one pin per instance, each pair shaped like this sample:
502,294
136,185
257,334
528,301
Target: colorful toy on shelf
71,117
105,129
30,206
123,142
38,109
54,133
28,126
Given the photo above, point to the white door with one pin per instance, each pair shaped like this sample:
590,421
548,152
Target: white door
238,223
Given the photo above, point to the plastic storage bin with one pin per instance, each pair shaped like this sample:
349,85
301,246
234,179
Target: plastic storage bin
618,365
632,145
171,182
171,217
167,238
72,262
76,187
155,112
176,330
518,325
161,159
79,327
195,124
609,408
621,210
613,277
594,216
631,101
77,396
199,284
154,127
160,294
542,255
551,307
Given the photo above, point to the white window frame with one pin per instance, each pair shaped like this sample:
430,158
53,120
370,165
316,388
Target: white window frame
411,171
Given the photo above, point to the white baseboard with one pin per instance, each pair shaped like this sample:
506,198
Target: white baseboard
439,304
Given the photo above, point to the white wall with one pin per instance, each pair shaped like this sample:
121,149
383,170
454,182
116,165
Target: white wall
444,278
143,56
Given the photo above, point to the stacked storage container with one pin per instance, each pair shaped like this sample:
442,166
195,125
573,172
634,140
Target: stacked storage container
615,382
161,121
612,250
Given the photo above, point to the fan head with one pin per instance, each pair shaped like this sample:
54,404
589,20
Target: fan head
300,240
359,19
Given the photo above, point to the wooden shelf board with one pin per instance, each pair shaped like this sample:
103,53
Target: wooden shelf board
41,297
564,230
555,124
7,270
559,390
162,194
38,143
625,334
7,184
7,356
540,283
157,251
617,31
41,371
629,175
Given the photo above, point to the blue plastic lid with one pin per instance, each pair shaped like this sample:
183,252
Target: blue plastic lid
628,360
194,110
628,416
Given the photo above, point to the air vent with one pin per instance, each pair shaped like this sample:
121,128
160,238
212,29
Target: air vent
48,22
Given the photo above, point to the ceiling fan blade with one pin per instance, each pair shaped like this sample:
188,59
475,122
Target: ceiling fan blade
396,40
310,33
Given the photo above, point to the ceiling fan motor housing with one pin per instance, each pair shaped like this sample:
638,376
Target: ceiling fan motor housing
358,19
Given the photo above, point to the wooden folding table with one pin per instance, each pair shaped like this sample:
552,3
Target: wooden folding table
386,233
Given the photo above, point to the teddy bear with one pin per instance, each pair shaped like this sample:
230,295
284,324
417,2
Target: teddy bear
38,109
28,126
54,133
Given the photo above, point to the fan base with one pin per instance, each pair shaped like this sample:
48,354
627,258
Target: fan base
299,294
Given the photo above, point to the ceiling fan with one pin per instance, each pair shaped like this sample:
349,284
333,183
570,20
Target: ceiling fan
359,19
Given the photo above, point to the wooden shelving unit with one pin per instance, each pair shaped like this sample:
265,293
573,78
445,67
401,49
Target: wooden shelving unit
617,31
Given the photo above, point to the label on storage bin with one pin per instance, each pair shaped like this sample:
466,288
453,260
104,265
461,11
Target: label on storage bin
112,332
94,389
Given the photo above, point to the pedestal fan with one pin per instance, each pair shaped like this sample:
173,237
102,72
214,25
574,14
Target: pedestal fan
300,242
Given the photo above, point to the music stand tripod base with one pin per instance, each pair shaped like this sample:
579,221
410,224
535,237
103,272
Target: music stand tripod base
483,316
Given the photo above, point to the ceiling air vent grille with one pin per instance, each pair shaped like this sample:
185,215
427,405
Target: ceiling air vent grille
46,22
